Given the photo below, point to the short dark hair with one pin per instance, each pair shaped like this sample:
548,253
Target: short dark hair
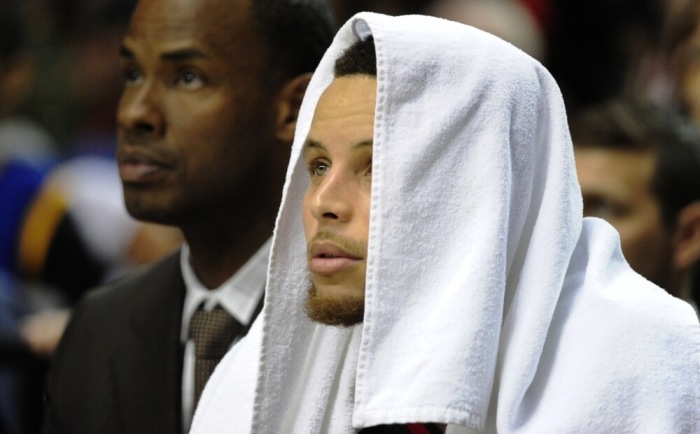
296,33
360,58
641,126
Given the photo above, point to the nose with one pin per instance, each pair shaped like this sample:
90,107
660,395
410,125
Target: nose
140,111
332,199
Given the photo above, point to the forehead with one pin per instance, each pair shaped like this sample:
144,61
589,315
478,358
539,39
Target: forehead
346,106
213,25
601,166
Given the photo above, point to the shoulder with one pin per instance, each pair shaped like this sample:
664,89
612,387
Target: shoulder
638,307
627,341
106,329
105,310
600,285
140,286
620,307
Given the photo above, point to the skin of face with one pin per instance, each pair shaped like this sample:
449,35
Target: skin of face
690,91
338,156
686,61
195,133
616,187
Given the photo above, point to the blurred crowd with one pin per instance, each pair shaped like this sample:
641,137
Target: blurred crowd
629,71
63,225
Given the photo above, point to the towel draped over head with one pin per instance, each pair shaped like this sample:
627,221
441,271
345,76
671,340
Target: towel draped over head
490,303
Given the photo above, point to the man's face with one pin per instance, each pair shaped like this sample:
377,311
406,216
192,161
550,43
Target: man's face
194,123
616,187
338,155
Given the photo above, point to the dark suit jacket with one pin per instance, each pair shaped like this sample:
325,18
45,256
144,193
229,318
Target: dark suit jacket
118,368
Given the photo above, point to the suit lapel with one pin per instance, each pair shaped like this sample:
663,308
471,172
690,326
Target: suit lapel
148,370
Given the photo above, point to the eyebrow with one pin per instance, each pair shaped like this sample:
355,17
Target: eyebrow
314,144
126,53
175,55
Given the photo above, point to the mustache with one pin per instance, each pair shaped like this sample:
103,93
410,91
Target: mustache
137,137
348,245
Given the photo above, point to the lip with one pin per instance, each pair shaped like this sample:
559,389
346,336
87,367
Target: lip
139,167
326,258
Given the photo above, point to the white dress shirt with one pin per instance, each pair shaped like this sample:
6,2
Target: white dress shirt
239,296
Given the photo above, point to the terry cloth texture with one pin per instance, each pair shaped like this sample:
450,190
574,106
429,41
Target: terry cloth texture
491,304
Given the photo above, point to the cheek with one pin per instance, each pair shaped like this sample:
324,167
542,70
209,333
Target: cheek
307,218
363,214
215,113
691,92
213,145
641,231
198,129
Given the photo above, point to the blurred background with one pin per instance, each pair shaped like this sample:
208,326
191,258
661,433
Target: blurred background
63,227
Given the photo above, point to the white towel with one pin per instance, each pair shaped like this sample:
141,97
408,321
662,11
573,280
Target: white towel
490,303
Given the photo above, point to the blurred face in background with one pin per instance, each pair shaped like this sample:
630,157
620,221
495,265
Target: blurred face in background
616,187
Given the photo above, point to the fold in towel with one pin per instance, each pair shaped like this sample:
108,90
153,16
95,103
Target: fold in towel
490,304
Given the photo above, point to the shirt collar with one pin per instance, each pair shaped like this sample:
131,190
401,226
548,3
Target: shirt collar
239,295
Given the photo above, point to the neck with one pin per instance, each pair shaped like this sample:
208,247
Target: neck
224,236
217,251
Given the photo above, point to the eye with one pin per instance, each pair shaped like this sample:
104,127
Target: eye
131,76
318,167
604,208
597,208
189,79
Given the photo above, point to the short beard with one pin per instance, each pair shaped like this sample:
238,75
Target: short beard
342,311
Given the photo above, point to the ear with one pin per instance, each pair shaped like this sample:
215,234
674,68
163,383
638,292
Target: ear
687,237
288,104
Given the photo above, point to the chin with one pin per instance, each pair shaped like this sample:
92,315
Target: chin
153,212
343,311
153,216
